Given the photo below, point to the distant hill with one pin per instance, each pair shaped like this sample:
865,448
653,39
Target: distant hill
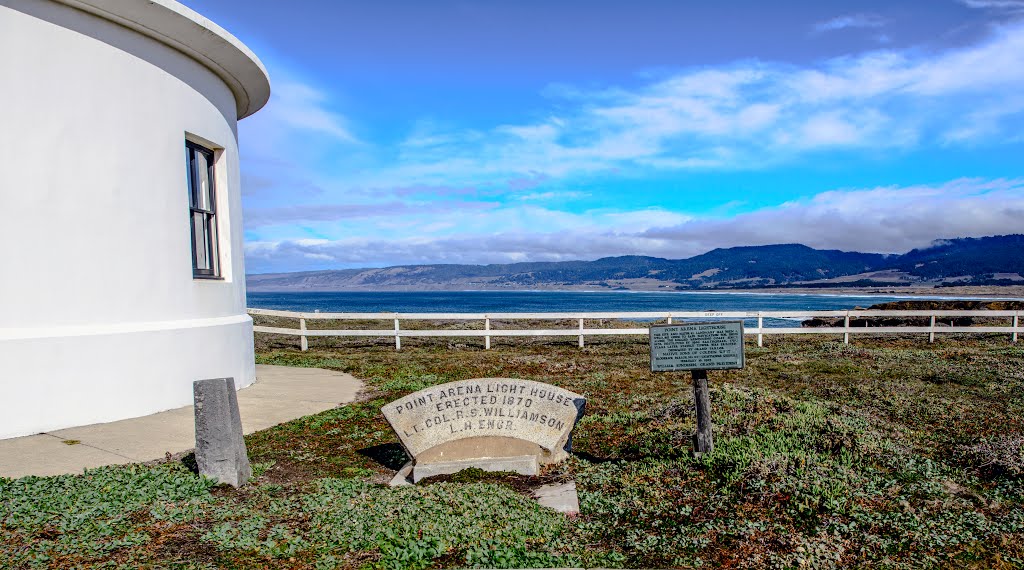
771,265
966,256
989,260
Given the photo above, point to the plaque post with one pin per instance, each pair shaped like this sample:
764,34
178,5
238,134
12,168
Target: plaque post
697,348
703,442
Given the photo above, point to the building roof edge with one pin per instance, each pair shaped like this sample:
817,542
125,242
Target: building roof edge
187,31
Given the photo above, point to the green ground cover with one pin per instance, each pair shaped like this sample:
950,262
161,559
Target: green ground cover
888,453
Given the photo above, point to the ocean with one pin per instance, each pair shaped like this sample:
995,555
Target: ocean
559,301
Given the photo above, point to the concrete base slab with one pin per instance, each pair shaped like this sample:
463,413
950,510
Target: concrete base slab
523,464
561,496
402,477
473,447
280,394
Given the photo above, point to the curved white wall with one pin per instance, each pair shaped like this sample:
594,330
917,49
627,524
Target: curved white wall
100,317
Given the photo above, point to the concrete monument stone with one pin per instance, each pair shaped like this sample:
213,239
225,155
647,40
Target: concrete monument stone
220,448
494,424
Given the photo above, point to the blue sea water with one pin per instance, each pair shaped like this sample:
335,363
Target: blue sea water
556,301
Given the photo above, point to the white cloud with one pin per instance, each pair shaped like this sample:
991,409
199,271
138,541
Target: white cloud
470,236
488,194
297,116
302,107
283,146
999,5
995,65
850,21
836,128
306,213
745,115
550,196
983,122
496,248
886,219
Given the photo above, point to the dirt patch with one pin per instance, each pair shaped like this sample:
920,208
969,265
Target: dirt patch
522,484
284,472
181,545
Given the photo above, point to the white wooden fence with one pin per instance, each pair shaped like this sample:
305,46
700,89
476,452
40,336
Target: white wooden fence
935,319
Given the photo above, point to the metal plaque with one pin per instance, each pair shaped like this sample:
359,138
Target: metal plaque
714,345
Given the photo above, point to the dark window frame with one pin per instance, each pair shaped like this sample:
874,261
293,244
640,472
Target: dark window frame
208,215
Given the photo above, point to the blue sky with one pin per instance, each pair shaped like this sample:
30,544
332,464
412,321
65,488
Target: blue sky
495,132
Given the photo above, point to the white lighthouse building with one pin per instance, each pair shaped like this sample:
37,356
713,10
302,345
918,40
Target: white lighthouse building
121,270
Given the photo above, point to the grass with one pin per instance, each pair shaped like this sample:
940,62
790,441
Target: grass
888,453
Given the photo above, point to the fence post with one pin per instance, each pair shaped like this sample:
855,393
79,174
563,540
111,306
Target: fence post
303,329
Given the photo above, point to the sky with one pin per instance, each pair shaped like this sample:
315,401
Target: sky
411,132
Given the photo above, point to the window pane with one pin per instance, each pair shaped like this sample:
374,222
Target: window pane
203,187
189,153
202,218
211,225
200,245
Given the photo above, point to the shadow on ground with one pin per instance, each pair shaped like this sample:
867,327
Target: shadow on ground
389,455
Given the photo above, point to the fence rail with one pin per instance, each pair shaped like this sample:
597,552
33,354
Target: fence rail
397,332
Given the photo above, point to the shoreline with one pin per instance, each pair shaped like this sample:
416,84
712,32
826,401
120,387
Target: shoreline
983,292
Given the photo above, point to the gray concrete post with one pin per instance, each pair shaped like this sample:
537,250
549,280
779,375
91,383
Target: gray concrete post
220,448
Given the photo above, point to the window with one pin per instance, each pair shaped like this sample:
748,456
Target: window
202,211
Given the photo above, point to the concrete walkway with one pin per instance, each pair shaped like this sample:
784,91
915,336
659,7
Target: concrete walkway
280,394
